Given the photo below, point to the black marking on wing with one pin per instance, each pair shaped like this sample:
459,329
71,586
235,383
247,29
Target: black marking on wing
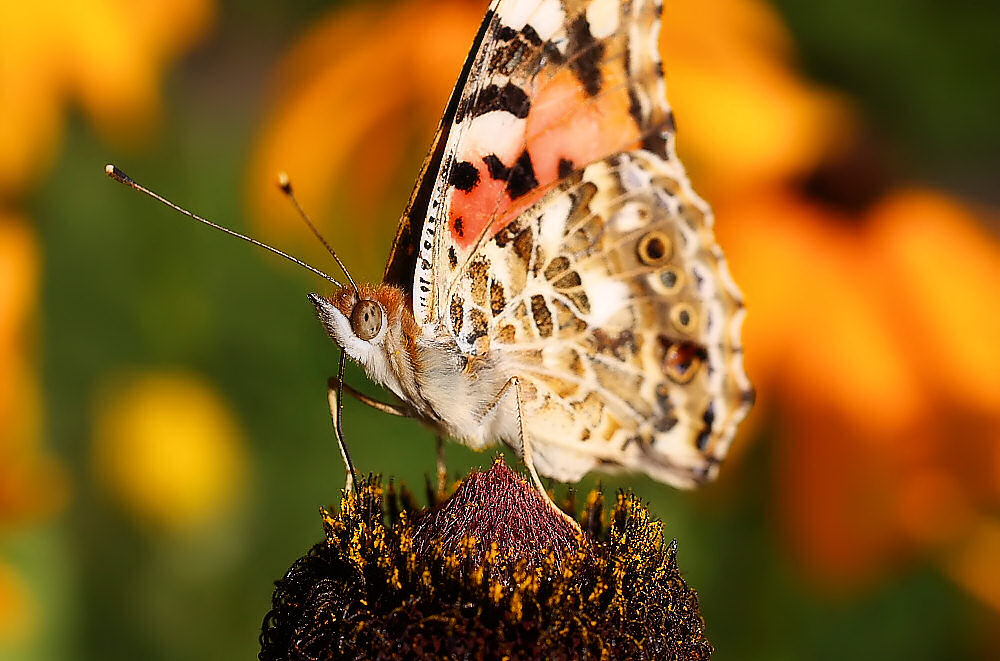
520,177
495,167
521,180
586,65
509,98
708,419
464,176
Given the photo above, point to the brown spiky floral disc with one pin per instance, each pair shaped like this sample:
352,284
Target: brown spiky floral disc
490,573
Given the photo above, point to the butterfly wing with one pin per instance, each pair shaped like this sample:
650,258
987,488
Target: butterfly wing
549,87
612,302
561,235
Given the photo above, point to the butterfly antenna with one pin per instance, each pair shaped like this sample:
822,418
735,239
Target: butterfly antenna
286,187
123,178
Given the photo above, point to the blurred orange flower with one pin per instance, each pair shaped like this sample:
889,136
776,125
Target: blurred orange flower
361,92
746,119
168,449
32,485
105,55
871,340
872,330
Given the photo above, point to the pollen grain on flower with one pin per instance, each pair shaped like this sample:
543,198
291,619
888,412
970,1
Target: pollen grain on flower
469,577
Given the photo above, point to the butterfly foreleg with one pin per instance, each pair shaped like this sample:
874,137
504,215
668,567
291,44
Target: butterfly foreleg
513,387
384,407
335,397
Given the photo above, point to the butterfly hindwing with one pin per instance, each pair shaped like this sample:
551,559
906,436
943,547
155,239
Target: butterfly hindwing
611,300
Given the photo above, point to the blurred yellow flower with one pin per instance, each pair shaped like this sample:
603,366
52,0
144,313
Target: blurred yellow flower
17,607
168,449
105,55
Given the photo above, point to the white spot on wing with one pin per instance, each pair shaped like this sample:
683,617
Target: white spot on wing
633,175
545,16
497,132
515,13
603,17
547,19
606,298
553,222
629,217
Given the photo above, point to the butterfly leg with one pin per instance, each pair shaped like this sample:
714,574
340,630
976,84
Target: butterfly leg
514,384
442,467
384,407
335,397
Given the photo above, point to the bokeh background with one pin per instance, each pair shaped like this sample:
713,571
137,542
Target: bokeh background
164,436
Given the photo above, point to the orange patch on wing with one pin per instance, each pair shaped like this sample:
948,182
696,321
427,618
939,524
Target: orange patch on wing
471,212
564,123
592,128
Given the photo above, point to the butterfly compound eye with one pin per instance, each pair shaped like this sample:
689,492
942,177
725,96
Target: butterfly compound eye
366,319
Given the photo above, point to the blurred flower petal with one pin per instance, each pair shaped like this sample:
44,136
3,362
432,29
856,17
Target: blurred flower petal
17,607
944,272
745,118
354,97
169,450
32,484
833,491
816,329
975,566
108,55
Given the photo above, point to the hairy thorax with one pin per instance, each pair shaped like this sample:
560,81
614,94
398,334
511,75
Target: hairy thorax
462,393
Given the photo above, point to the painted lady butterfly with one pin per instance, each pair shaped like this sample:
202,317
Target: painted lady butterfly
554,283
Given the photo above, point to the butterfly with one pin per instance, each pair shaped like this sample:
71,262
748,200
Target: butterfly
554,283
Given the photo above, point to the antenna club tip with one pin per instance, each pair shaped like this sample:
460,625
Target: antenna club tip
284,183
118,175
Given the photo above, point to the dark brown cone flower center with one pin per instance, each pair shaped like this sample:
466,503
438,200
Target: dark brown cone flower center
490,573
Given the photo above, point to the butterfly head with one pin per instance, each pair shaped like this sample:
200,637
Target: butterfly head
372,324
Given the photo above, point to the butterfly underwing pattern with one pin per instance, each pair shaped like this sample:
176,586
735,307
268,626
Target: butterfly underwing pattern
555,283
